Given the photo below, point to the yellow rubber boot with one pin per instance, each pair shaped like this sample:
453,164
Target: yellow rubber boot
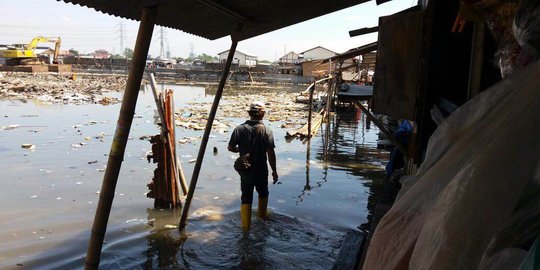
245,216
263,204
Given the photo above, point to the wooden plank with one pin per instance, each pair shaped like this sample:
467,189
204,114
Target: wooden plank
381,127
350,251
398,62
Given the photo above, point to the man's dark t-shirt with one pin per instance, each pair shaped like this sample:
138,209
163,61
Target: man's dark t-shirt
241,136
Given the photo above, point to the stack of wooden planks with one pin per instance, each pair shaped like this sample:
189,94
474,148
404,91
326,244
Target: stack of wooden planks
168,176
303,132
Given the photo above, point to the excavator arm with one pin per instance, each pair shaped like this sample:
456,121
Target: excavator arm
26,54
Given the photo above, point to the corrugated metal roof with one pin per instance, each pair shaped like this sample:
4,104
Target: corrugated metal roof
214,19
353,52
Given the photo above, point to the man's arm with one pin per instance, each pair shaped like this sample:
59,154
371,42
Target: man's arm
272,160
233,142
233,148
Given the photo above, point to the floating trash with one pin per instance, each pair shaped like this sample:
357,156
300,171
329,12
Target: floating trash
9,127
28,146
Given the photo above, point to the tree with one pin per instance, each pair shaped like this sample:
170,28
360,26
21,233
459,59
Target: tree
207,58
74,52
128,53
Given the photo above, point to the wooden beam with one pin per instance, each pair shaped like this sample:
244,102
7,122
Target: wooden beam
477,59
386,132
206,135
363,31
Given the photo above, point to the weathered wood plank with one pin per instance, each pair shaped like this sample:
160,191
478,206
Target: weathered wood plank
349,253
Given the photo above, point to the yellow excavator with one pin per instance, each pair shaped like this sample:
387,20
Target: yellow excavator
24,54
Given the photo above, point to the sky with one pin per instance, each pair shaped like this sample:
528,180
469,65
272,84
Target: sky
87,30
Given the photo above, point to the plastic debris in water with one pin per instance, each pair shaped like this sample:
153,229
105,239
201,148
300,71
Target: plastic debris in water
9,127
28,146
168,226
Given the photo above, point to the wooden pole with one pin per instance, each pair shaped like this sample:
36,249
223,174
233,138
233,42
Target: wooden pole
159,104
118,147
180,178
477,59
310,109
386,132
206,135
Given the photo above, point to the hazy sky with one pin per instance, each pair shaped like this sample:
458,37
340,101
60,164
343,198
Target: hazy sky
86,30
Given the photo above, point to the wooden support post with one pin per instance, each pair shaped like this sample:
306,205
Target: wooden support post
206,135
329,94
116,154
477,59
310,109
386,132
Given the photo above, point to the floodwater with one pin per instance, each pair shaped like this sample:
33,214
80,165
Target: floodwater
50,193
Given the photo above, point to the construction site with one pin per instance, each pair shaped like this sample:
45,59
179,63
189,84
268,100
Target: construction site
416,150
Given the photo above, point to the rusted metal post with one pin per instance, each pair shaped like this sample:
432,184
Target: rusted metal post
206,135
116,154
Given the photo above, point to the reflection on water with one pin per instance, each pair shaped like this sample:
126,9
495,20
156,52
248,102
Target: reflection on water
329,184
282,242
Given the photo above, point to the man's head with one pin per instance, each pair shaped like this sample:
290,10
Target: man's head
256,110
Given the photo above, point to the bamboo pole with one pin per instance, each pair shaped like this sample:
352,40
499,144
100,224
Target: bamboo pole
118,147
204,142
159,104
180,178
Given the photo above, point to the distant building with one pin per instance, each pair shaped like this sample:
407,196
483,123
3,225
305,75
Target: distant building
316,53
101,54
290,58
240,58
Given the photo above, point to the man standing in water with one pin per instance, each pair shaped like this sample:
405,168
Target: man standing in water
261,145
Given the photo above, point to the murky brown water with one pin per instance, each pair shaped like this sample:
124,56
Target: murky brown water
49,194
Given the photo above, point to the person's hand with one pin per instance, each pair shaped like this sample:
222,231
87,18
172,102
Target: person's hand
275,176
